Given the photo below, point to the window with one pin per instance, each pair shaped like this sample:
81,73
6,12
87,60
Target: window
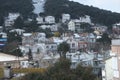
23,63
52,47
73,44
47,46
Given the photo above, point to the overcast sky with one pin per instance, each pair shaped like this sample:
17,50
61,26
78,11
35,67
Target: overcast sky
113,5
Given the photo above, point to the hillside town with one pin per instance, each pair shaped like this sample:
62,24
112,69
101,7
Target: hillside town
90,44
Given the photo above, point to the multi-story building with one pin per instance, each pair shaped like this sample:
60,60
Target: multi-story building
116,30
85,19
71,26
112,64
9,21
65,17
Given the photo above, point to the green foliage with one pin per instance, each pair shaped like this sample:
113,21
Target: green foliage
12,44
51,7
86,27
47,31
13,36
105,39
30,57
19,23
12,49
62,71
57,34
1,72
75,9
31,26
63,48
24,7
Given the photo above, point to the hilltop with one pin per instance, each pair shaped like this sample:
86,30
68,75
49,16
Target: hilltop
75,9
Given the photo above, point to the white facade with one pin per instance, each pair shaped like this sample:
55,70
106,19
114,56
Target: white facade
39,6
73,44
91,38
65,17
111,68
53,27
50,19
51,46
4,35
112,64
85,19
24,64
39,20
116,42
19,31
86,59
13,16
32,38
9,21
71,26
108,69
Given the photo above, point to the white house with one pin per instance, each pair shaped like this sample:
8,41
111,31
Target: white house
71,26
65,17
39,20
51,46
13,16
50,19
33,38
53,27
9,21
91,38
85,19
112,64
4,35
84,58
18,31
74,25
14,61
73,44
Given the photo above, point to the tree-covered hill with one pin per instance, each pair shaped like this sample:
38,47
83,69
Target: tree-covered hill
75,9
24,7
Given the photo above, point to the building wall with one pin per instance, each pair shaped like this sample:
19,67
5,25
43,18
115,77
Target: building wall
71,26
65,17
108,69
14,64
116,49
112,65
